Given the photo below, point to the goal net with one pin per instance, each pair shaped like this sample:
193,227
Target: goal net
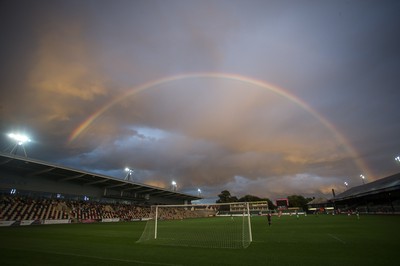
199,225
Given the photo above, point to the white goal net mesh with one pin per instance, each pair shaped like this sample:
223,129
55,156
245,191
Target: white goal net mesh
208,225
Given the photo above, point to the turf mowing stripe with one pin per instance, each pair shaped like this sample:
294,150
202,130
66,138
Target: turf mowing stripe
337,238
96,257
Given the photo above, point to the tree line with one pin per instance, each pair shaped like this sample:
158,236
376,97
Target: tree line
294,200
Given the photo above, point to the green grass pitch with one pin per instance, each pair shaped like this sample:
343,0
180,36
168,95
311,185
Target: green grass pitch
312,240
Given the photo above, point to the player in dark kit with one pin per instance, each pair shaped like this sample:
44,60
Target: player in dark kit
269,219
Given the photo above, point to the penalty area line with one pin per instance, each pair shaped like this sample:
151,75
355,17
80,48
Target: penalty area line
99,258
337,238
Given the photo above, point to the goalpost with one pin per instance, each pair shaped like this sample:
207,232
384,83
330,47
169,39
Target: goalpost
222,225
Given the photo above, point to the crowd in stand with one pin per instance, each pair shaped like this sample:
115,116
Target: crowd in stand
14,208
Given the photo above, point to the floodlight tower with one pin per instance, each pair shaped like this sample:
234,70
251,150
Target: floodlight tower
363,178
129,173
174,185
346,184
199,192
19,140
397,159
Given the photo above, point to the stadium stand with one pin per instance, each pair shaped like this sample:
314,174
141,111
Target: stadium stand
380,196
320,205
37,177
33,191
15,208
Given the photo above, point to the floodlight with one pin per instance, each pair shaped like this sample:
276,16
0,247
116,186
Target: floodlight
397,159
19,140
129,174
362,177
173,185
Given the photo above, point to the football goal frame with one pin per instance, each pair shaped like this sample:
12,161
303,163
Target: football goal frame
217,225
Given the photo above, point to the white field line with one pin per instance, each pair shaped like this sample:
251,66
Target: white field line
337,238
99,258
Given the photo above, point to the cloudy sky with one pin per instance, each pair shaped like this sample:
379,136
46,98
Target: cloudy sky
268,98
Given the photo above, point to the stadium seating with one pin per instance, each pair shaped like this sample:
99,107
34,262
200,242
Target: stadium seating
14,208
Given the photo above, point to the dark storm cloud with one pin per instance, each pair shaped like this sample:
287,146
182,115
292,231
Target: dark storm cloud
64,60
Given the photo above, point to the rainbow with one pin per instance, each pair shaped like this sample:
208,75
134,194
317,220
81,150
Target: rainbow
234,77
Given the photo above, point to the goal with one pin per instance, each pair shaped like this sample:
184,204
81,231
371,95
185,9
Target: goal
223,225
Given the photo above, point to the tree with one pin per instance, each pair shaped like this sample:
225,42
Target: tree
298,201
249,198
226,197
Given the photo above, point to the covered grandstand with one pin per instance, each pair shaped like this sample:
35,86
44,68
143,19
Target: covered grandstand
22,175
380,196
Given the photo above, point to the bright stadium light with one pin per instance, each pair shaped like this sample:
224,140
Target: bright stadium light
129,173
363,178
199,192
397,159
19,140
346,184
174,185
